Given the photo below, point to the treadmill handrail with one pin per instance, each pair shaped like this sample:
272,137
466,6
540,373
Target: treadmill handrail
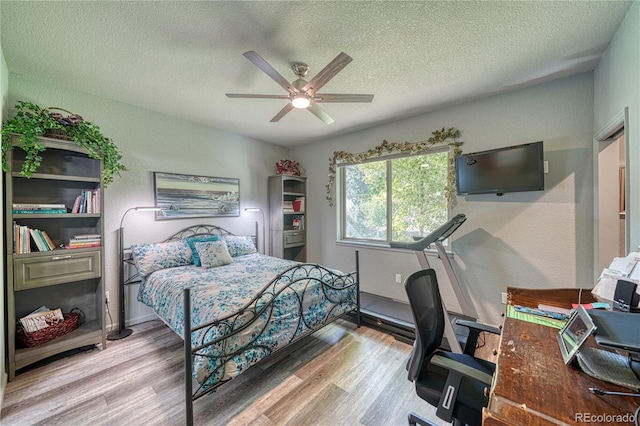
440,234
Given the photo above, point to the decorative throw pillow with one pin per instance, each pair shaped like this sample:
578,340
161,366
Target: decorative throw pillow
239,245
156,256
213,254
191,241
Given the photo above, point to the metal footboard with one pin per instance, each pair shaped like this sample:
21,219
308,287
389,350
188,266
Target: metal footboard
252,320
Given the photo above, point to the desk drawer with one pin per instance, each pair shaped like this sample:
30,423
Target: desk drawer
293,239
61,267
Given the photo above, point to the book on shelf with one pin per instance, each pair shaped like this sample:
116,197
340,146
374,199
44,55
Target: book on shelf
72,246
87,237
23,237
25,208
85,240
48,240
87,202
32,206
38,211
298,223
38,240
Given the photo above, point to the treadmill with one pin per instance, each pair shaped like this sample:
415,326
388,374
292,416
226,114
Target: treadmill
436,239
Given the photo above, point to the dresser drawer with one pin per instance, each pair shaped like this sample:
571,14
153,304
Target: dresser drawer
292,239
61,267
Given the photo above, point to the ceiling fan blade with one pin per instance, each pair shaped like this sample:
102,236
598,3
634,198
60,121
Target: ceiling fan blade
327,73
342,97
242,95
269,70
320,113
288,107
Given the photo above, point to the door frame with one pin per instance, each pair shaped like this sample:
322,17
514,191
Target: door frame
611,131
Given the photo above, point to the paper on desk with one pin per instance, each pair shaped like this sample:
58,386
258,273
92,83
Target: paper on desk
536,319
620,268
623,266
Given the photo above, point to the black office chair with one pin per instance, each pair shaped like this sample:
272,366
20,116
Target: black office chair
454,383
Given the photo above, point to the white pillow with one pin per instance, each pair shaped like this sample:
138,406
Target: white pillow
156,256
213,254
239,245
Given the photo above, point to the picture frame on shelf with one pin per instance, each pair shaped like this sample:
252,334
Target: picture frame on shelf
182,196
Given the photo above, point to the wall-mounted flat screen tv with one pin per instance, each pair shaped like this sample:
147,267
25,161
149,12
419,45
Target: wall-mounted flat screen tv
511,169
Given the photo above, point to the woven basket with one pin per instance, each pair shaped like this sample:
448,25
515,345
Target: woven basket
28,340
70,120
57,134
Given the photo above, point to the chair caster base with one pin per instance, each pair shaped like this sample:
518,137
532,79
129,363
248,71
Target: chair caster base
415,419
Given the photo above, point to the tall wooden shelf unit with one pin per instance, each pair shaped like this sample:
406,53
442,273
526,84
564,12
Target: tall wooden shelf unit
61,278
288,227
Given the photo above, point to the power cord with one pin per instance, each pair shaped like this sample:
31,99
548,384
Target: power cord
482,340
106,302
603,392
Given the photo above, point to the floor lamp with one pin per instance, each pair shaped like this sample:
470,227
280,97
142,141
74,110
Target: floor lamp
258,209
123,332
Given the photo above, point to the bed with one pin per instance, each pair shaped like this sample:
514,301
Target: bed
235,307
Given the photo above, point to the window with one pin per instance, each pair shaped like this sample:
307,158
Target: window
393,199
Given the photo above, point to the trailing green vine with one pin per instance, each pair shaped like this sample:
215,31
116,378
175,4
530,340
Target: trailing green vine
443,137
32,121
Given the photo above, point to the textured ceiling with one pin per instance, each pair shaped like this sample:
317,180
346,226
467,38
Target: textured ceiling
180,58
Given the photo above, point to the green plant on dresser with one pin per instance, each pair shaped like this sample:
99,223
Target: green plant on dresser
32,122
59,206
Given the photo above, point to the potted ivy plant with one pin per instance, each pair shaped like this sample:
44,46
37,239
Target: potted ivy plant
33,121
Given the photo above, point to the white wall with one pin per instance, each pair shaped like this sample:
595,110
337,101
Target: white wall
616,87
155,142
534,239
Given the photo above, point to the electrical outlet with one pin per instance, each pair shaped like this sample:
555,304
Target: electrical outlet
504,298
399,278
106,297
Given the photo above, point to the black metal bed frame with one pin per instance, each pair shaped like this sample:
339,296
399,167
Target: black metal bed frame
251,315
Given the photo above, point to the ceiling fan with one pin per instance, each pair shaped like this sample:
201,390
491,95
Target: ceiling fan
301,93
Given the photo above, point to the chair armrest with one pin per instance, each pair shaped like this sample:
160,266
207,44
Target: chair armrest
463,369
477,326
450,390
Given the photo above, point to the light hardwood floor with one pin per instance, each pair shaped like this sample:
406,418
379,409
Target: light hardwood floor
340,375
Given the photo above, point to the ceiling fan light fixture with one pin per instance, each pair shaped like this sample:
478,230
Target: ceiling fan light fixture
300,101
301,94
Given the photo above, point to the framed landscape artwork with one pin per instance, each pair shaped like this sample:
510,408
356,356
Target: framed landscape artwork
188,196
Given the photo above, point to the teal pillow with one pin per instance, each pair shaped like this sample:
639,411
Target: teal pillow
191,241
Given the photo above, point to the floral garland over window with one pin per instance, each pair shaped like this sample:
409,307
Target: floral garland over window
444,137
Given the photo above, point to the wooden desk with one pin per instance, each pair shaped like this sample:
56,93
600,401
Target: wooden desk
533,386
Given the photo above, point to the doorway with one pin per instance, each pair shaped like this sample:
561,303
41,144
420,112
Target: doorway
611,198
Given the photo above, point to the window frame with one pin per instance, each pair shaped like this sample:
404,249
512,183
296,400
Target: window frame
341,196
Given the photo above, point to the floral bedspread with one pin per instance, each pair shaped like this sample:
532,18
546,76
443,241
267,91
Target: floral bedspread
220,292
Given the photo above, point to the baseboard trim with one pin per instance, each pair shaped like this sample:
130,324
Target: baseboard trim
140,319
